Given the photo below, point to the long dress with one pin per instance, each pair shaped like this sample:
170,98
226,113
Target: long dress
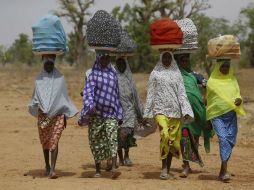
167,102
101,93
222,90
132,109
198,127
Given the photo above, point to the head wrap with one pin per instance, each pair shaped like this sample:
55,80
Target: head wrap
222,90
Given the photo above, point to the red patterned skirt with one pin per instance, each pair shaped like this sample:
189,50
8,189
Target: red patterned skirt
50,135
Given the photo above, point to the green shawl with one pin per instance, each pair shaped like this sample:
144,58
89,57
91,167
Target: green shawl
199,126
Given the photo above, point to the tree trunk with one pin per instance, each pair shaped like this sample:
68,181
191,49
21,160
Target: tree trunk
80,60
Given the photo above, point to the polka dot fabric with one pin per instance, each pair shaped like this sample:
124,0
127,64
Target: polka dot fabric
190,34
127,44
103,30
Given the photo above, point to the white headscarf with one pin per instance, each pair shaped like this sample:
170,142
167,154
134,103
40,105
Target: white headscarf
166,93
50,95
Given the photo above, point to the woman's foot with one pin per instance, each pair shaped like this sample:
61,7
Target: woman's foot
127,162
115,174
185,172
225,177
47,171
53,175
97,175
108,168
164,175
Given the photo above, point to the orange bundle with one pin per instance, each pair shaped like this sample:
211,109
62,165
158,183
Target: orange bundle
165,31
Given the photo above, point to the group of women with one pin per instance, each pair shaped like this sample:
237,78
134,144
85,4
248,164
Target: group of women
112,110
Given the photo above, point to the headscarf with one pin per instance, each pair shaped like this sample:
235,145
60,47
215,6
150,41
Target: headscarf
50,95
222,90
171,92
127,77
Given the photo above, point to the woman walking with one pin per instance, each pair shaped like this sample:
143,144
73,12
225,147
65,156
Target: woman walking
192,131
224,102
51,105
132,109
103,112
167,102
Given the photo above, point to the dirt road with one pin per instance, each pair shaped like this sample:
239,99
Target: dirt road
21,165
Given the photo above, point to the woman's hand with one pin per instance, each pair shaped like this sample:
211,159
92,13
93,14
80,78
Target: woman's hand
187,117
120,122
145,121
238,101
79,123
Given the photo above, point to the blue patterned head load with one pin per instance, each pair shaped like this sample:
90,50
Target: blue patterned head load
49,35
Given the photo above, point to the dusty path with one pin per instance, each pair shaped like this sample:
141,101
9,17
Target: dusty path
21,166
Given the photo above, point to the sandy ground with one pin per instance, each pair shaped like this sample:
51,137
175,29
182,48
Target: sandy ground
21,165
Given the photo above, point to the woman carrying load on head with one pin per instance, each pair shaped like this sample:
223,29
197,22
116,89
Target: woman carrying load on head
192,131
224,102
103,112
132,109
51,104
168,104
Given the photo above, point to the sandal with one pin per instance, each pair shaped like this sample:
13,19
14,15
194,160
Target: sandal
128,162
97,175
164,176
224,178
185,173
115,174
53,176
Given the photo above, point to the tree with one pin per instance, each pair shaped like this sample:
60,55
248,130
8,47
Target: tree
72,53
76,11
2,54
136,21
180,9
248,14
20,50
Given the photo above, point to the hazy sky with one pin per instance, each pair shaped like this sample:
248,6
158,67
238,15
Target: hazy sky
17,16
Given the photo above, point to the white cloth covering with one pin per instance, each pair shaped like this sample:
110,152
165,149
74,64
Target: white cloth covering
166,93
50,95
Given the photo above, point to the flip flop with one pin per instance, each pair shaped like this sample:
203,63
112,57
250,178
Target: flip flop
53,176
97,175
115,174
128,162
164,176
224,178
185,173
